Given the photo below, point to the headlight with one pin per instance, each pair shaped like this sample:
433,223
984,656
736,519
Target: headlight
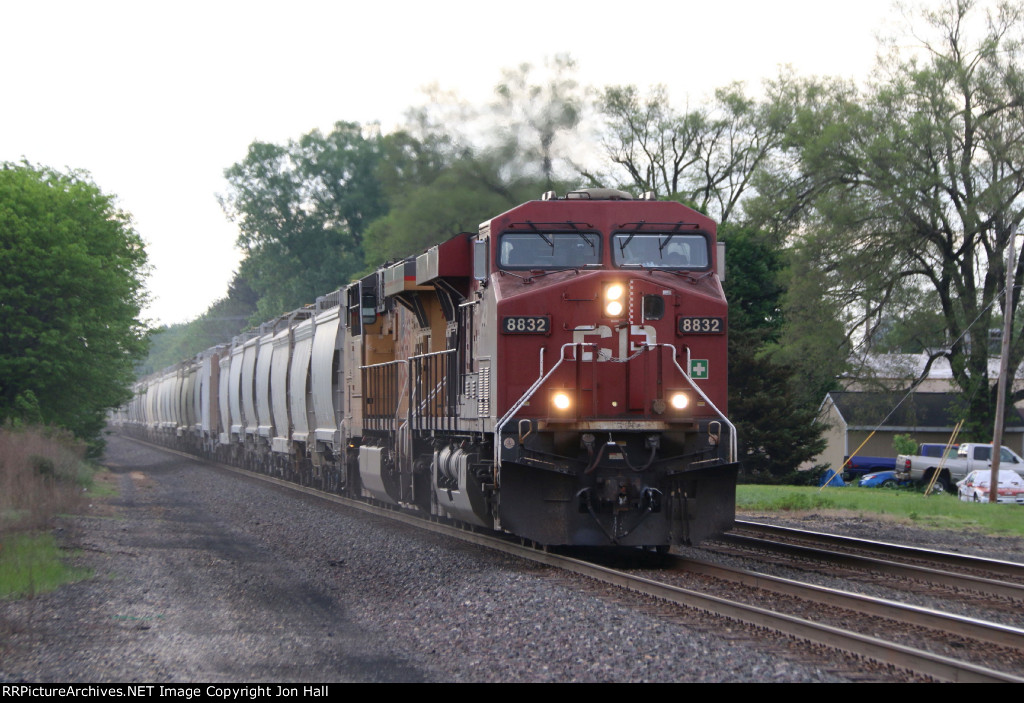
561,401
613,299
679,401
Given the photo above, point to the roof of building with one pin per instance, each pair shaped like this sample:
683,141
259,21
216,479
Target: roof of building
919,412
911,366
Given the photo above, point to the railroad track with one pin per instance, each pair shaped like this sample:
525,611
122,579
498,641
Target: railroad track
882,650
992,569
925,629
987,589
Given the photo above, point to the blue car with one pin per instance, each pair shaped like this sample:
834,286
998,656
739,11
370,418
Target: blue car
886,479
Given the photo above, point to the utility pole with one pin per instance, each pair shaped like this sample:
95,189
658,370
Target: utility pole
1004,362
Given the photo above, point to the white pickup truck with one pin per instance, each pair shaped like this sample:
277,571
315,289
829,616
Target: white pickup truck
969,457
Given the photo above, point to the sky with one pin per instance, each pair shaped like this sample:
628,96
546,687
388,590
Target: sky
156,99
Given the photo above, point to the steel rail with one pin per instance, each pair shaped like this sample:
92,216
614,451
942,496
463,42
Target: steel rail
902,656
977,584
966,561
960,625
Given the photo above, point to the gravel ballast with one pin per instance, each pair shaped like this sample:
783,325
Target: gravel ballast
202,575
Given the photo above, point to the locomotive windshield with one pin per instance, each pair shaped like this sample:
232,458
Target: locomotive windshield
549,250
664,250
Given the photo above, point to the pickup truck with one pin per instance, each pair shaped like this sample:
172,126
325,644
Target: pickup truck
856,466
969,457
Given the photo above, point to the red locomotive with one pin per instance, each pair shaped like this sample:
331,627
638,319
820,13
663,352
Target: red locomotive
559,375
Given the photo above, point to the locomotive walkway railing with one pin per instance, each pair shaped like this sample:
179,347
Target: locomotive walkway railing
434,400
381,395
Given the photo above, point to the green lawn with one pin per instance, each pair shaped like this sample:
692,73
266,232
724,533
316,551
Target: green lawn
31,563
940,511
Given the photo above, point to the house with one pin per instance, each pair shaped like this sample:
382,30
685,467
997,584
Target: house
852,416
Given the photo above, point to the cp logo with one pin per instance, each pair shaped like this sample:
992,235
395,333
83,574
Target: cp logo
631,339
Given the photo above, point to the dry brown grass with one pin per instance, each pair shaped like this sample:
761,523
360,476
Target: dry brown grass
42,474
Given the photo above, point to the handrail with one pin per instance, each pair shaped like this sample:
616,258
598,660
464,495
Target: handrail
732,428
733,450
437,388
381,420
526,396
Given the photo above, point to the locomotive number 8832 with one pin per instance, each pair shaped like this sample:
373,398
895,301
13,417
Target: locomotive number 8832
559,374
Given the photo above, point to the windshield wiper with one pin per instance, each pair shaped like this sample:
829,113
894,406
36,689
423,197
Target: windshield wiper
586,239
622,246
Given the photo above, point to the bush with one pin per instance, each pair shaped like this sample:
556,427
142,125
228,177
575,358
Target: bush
904,444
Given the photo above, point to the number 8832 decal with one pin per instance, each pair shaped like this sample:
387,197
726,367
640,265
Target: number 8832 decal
526,324
701,325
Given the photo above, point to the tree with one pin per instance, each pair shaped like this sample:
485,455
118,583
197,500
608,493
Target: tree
535,118
768,402
469,191
439,183
302,210
71,289
905,195
706,157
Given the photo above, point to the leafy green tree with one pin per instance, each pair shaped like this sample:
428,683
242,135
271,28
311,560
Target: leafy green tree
469,191
71,289
439,182
904,444
776,425
813,340
411,158
906,194
302,210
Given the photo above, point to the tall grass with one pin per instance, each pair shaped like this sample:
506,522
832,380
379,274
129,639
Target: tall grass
42,474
